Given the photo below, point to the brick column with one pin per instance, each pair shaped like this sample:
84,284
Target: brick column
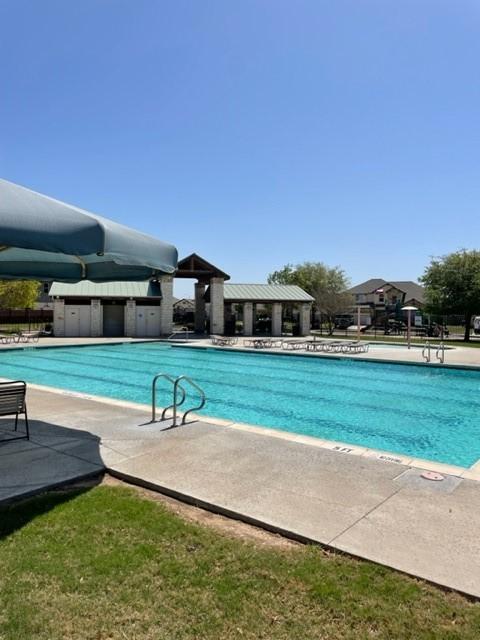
305,319
247,318
200,313
96,318
277,310
131,318
217,311
58,318
166,305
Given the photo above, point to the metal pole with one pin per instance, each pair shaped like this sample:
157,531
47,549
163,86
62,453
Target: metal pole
408,328
358,322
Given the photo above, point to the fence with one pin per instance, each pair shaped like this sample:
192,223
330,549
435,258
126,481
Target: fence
14,320
437,326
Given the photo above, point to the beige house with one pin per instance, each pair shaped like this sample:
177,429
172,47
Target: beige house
378,297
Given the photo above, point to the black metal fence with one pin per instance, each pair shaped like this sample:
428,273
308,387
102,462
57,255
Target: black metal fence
436,326
14,320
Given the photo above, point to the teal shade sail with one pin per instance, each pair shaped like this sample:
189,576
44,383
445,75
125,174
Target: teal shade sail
45,239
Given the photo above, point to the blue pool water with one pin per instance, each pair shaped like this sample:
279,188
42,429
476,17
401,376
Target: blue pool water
425,412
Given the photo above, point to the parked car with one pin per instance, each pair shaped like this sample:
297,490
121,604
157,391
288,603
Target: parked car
343,321
476,325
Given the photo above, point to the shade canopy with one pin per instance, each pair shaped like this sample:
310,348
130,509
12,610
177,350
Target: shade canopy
45,239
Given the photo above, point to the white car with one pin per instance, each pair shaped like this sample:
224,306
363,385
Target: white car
476,325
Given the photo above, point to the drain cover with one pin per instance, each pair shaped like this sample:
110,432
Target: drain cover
432,475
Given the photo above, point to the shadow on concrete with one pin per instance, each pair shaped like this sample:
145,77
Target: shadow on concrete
53,458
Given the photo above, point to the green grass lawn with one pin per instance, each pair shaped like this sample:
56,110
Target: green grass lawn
107,563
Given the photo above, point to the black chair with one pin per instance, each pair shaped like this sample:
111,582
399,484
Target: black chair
12,403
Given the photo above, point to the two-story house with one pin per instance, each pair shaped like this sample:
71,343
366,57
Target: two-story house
380,298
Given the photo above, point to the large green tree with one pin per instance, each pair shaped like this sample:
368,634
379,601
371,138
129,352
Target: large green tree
327,285
18,294
452,285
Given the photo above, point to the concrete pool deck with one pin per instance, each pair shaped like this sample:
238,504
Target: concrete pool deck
363,505
462,356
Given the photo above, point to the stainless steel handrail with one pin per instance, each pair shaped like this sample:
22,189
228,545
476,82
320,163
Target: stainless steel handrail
173,406
426,348
154,394
176,386
440,348
184,331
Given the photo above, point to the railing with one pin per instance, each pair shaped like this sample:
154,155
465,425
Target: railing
439,352
426,352
154,393
183,330
177,402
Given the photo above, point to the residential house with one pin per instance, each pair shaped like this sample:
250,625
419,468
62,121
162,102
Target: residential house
379,299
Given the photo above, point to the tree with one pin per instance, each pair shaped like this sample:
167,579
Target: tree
327,285
452,285
18,294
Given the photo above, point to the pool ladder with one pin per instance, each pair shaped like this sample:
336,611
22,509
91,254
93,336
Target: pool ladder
439,352
178,389
183,330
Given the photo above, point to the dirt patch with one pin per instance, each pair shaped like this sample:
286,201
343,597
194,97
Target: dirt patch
190,513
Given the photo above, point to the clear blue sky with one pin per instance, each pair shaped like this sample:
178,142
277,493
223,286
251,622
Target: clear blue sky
254,132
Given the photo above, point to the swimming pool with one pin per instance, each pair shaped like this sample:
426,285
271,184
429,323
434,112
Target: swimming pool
425,412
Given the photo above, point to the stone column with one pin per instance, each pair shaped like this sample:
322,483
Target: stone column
217,311
305,319
247,318
58,318
96,318
166,305
131,318
277,309
200,312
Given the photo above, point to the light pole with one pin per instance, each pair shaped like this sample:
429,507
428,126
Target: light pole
409,321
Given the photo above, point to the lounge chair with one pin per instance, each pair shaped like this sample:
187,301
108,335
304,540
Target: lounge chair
28,336
318,345
8,338
359,347
263,343
275,343
334,346
349,346
295,345
223,341
12,403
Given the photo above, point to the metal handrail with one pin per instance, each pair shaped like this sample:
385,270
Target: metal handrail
154,394
184,330
427,356
175,404
440,348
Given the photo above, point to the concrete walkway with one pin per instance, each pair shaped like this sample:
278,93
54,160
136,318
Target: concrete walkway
374,509
381,352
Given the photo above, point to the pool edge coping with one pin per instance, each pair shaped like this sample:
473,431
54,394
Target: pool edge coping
468,473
